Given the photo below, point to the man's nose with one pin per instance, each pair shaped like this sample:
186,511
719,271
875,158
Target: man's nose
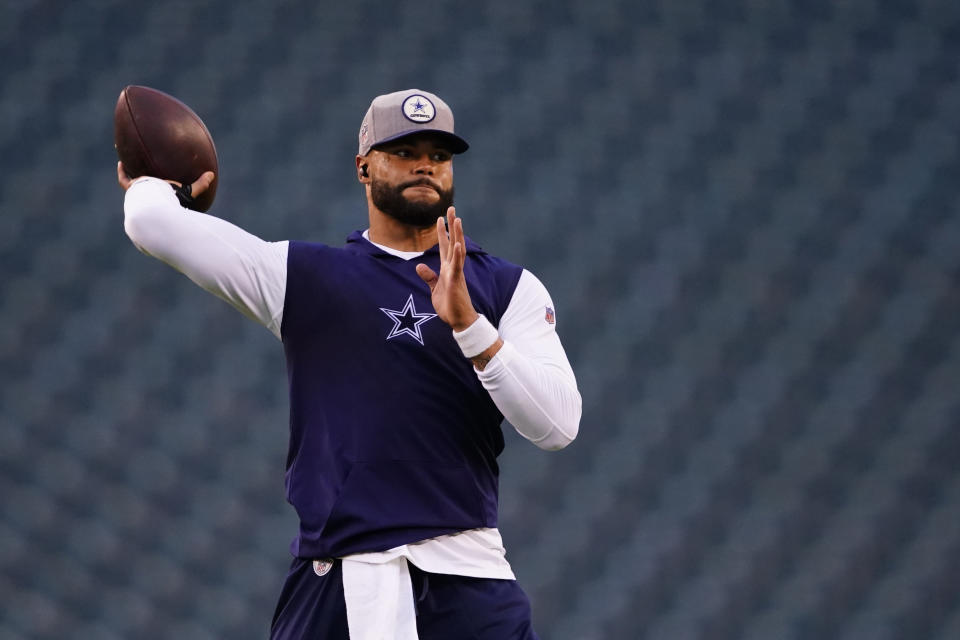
424,166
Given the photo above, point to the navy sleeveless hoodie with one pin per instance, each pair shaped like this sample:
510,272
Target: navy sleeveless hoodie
392,437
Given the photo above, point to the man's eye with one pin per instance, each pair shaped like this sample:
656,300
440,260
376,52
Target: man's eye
403,153
441,156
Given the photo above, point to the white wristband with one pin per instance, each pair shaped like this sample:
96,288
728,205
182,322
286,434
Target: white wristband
476,338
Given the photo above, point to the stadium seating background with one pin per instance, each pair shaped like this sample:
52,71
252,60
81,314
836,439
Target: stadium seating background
746,212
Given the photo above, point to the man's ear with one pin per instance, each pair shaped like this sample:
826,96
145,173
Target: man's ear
362,174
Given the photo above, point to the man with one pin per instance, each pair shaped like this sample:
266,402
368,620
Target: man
405,349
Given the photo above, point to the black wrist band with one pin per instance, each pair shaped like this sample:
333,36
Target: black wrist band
183,195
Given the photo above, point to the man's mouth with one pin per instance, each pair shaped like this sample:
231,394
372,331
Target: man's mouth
420,184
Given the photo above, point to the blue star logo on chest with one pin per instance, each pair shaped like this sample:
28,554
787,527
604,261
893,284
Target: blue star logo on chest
407,321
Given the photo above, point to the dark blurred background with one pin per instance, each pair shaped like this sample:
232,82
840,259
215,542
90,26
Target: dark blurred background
747,215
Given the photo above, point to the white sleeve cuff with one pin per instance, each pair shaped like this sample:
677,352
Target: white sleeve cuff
476,338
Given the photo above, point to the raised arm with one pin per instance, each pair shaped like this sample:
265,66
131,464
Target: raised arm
529,377
521,364
247,272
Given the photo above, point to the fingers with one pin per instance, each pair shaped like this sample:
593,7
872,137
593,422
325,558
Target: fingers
453,247
122,178
451,238
452,224
461,243
202,183
442,240
458,250
428,275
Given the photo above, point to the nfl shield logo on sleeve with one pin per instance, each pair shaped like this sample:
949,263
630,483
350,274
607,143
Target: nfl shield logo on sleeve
550,316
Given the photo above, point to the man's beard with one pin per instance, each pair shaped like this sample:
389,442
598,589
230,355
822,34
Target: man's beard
391,201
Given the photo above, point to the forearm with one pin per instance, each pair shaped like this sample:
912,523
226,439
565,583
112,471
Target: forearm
234,265
538,395
538,400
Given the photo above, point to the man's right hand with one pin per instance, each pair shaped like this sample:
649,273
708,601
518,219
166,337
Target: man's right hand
198,187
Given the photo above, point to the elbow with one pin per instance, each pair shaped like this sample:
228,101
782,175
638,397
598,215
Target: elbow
147,204
561,439
556,442
136,221
566,430
143,221
132,227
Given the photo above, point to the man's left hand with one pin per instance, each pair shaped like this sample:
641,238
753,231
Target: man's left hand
448,289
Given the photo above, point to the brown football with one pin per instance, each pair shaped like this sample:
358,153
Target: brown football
157,135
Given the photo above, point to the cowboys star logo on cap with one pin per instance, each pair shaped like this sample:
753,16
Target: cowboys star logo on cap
418,108
402,113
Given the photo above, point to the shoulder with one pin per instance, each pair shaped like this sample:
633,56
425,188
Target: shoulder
491,281
301,252
503,272
531,296
309,248
530,285
314,264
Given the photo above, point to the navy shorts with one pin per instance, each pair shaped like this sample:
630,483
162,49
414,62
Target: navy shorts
312,606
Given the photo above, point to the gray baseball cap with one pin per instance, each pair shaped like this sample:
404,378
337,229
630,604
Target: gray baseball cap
402,113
